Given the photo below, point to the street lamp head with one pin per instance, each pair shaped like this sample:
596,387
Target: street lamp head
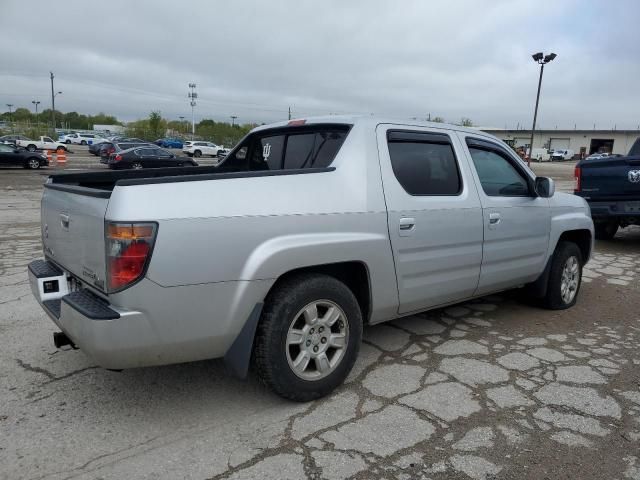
537,56
549,57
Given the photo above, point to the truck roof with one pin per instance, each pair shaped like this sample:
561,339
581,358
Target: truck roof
372,121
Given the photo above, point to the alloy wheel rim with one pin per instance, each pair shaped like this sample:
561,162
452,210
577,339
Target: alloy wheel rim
317,340
570,279
33,163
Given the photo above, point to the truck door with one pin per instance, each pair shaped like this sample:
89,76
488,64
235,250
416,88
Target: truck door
516,220
434,215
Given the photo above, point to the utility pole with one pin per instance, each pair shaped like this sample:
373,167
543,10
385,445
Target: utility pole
181,123
36,103
233,120
289,113
193,95
10,115
53,104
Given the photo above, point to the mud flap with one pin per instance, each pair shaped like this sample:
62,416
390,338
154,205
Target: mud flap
238,357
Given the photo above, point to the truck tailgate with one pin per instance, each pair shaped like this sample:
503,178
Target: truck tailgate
611,177
73,233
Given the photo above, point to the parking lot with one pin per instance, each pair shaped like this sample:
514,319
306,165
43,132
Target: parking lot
495,388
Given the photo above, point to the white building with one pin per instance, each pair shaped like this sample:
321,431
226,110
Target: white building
580,141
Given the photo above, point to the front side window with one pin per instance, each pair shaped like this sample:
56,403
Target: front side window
424,164
497,176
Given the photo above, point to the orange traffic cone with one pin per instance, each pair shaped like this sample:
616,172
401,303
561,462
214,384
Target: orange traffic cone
61,158
49,157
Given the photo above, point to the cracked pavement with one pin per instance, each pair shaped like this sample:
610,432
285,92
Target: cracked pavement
490,389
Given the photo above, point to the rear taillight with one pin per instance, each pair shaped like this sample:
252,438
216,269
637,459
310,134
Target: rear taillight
128,248
577,180
117,158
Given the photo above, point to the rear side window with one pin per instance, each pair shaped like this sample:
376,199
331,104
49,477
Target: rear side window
290,148
424,163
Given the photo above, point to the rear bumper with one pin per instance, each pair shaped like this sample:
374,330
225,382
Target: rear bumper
159,326
627,211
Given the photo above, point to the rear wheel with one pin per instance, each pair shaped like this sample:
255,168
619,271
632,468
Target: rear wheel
197,154
308,337
33,163
136,166
68,142
83,142
565,277
31,148
606,230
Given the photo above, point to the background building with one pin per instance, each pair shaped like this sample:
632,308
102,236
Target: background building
580,141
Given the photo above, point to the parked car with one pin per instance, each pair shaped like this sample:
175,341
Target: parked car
562,154
170,143
307,231
12,139
10,155
148,156
198,149
111,148
83,138
611,186
540,155
43,143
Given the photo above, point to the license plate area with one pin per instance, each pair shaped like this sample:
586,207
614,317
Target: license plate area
632,207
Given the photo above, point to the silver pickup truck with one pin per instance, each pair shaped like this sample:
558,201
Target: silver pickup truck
307,231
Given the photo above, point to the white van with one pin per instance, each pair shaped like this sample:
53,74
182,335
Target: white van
562,154
540,155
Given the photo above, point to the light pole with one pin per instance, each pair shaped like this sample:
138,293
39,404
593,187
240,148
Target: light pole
36,103
181,123
10,115
541,59
233,120
193,95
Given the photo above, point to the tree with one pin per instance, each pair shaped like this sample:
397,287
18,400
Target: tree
157,125
466,122
438,119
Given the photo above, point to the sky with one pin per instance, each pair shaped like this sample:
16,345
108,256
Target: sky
255,59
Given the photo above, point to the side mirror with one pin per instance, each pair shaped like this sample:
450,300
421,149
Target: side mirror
545,187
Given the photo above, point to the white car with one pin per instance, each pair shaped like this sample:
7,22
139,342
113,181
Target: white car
562,154
198,149
83,138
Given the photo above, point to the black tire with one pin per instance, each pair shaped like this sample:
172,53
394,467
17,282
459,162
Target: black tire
137,166
33,163
281,308
68,142
31,148
197,154
553,298
83,142
606,230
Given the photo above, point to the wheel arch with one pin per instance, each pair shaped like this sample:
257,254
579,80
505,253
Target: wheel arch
582,238
354,274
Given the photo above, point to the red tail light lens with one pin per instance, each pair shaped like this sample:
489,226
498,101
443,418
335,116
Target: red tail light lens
118,158
577,180
129,247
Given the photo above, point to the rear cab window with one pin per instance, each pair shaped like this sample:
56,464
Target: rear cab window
288,148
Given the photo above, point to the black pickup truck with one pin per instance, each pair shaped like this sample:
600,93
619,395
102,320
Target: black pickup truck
611,186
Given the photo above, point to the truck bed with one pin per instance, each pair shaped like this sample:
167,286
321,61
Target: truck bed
101,184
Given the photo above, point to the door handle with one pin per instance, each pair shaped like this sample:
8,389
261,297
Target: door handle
64,221
494,218
407,226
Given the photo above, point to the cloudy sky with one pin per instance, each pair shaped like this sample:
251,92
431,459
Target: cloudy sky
254,59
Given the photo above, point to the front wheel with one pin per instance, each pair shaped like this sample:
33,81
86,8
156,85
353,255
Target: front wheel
197,154
33,163
83,142
136,166
308,337
68,142
565,277
606,230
